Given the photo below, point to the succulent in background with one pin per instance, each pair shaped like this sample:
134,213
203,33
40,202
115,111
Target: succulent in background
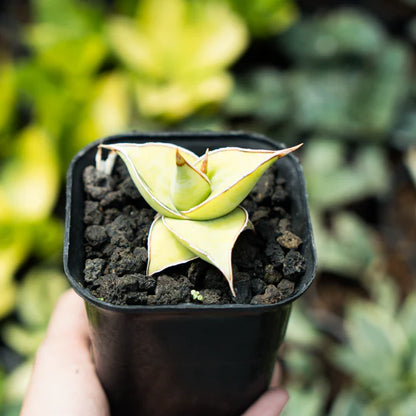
348,78
266,17
380,354
29,181
8,98
197,199
36,297
177,53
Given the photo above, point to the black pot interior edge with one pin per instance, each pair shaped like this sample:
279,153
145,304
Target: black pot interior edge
73,244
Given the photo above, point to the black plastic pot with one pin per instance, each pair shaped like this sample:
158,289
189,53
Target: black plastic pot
185,359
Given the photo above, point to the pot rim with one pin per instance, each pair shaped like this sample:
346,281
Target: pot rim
183,307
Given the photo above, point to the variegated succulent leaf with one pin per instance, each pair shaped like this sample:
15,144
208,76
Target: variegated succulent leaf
152,167
211,240
197,199
190,186
233,173
164,249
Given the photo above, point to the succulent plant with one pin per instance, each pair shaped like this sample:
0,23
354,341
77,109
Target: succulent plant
197,199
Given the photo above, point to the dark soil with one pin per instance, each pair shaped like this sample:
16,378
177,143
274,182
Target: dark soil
266,262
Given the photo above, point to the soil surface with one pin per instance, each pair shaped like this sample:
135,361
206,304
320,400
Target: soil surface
267,262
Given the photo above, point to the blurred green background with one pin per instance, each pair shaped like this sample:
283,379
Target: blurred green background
337,75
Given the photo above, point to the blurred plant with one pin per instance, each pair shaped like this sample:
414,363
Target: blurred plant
347,245
8,98
13,250
380,354
263,95
59,80
344,178
66,37
266,17
411,163
36,298
308,391
107,111
340,33
29,181
360,96
348,78
305,401
177,53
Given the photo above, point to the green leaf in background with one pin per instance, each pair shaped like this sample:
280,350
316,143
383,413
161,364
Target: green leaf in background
404,134
66,37
29,180
8,97
405,407
15,388
47,239
36,299
263,94
172,81
322,98
383,89
306,401
407,318
377,345
348,248
334,93
14,246
68,49
337,182
38,294
107,111
300,330
341,32
380,355
349,403
266,17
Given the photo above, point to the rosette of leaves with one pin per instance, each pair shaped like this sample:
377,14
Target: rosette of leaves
177,53
197,199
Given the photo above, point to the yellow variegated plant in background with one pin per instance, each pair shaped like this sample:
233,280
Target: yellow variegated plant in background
29,182
197,199
177,52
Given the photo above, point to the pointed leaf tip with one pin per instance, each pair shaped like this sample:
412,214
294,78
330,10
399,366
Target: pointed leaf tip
180,160
189,186
152,169
212,240
233,172
285,152
204,164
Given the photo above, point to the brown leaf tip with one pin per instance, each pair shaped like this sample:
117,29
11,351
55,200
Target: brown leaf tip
180,160
204,164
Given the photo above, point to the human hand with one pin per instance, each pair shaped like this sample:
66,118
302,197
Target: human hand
64,381
272,402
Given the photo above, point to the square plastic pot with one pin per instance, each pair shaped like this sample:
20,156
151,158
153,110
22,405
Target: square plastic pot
185,359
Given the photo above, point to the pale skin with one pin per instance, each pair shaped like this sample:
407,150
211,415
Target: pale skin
64,381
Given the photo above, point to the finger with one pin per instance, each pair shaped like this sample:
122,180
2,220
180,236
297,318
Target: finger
63,380
276,379
69,322
270,403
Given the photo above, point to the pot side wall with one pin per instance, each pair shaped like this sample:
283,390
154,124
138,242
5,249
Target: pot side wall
179,364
